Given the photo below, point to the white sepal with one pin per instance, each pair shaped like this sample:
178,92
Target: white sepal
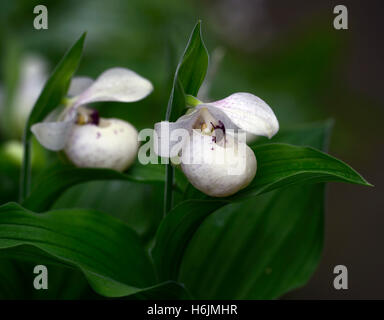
116,84
249,113
53,135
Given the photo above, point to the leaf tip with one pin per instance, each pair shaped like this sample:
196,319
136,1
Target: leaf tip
197,29
82,38
362,181
366,183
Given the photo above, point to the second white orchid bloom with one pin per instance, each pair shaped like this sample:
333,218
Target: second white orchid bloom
215,157
87,139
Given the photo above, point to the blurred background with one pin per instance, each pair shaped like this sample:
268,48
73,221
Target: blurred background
286,52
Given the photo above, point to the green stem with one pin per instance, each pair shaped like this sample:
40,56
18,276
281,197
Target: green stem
168,192
25,170
192,101
170,171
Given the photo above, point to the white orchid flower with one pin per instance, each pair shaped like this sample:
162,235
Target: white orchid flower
87,139
213,154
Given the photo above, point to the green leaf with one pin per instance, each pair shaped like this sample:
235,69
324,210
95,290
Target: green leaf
176,102
282,165
108,252
125,200
256,249
168,290
194,64
56,86
11,284
16,277
56,180
51,96
175,231
189,76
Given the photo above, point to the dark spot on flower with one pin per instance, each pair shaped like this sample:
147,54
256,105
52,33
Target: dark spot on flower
219,135
219,126
98,135
94,117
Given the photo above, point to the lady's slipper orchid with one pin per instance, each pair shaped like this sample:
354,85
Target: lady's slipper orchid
215,157
87,139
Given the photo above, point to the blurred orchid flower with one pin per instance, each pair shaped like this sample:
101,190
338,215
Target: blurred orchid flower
33,74
214,130
87,139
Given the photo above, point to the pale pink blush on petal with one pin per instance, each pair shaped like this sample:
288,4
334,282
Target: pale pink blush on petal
249,113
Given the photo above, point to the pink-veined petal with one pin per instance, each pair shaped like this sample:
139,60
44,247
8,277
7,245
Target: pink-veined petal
249,113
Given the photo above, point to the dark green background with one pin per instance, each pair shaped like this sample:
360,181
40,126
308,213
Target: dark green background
286,52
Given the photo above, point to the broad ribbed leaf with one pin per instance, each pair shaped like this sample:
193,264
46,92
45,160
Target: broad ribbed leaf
11,282
256,249
56,180
282,165
174,233
125,200
107,251
168,290
16,277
